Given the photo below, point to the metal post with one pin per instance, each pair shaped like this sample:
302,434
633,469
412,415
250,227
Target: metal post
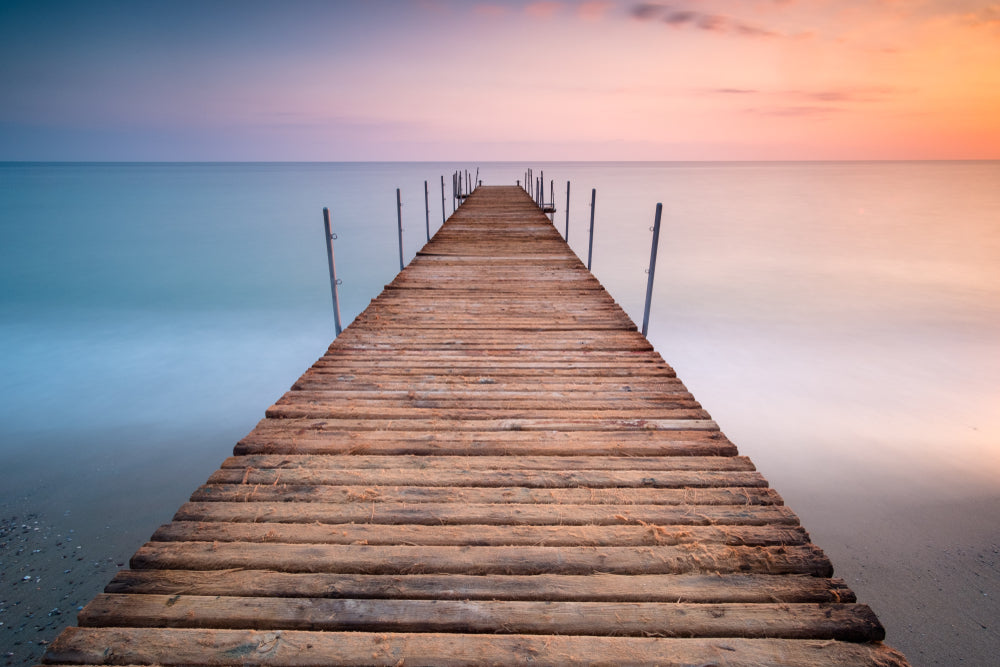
460,190
442,199
476,184
333,270
652,268
552,197
590,248
567,211
453,193
427,205
399,221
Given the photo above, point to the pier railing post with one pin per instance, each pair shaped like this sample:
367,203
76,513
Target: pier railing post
399,224
442,199
652,268
552,198
567,212
590,246
427,205
333,271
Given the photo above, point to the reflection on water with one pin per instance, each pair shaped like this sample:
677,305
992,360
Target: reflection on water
840,320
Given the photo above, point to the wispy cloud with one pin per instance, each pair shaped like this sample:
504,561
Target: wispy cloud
543,9
686,17
593,10
819,102
987,16
491,11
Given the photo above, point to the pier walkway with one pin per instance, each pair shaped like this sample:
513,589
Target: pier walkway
490,465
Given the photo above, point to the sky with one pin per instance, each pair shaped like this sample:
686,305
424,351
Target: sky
217,80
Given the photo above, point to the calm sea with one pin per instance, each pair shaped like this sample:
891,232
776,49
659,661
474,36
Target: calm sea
839,320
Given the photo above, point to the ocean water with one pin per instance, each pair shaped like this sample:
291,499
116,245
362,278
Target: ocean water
839,320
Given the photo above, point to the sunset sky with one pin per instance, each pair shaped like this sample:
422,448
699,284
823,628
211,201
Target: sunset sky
441,80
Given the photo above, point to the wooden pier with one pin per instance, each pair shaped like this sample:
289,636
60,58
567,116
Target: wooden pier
490,465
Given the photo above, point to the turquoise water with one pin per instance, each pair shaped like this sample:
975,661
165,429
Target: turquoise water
839,320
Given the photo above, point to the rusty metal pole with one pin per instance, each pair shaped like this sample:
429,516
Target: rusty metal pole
652,268
567,212
552,198
399,221
590,247
333,271
427,205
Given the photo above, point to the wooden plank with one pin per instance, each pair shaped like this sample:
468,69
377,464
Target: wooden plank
701,588
375,423
376,559
844,622
290,648
326,437
480,535
485,462
291,492
594,479
511,514
292,409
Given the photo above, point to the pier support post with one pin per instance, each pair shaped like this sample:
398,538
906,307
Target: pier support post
590,246
552,198
442,199
567,212
427,205
333,270
652,268
399,224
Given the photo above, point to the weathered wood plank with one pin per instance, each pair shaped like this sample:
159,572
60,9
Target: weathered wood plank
703,588
485,462
844,622
290,648
326,437
292,492
493,514
294,409
594,479
376,559
480,535
375,423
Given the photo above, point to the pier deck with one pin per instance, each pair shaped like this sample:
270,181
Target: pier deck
489,465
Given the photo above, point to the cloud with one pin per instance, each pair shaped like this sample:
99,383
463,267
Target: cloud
646,11
806,103
543,9
800,111
593,10
491,11
797,98
987,16
692,18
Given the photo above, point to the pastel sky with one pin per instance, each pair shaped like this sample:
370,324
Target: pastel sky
443,80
